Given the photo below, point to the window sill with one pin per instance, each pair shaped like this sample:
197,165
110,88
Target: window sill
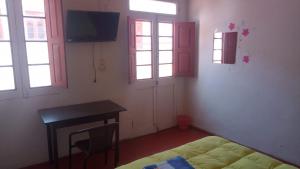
42,91
30,92
9,95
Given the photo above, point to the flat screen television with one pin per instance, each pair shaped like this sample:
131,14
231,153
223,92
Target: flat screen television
88,26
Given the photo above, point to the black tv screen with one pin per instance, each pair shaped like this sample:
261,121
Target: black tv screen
87,26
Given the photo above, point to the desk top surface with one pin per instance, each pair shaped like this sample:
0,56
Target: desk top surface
58,114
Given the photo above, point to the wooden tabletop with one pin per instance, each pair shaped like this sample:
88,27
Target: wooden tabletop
72,112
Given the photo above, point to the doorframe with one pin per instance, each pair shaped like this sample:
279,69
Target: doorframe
156,81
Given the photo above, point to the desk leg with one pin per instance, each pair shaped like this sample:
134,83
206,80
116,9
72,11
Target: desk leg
55,151
117,143
49,138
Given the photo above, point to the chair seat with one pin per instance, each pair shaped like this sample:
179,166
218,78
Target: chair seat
84,146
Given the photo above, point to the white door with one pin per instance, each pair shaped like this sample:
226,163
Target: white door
154,87
165,86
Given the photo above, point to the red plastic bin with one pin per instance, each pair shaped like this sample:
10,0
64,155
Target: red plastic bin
183,121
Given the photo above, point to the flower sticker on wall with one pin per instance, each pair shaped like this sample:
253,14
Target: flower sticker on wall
245,32
231,26
246,59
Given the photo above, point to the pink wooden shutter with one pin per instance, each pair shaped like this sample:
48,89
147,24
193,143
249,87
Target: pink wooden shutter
132,49
55,35
229,45
184,49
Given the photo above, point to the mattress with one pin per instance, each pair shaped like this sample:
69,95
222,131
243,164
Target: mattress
213,153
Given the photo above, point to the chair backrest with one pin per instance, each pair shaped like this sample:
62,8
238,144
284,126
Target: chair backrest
101,138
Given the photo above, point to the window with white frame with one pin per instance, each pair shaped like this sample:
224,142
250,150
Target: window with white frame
172,56
7,79
165,49
218,47
31,49
143,49
152,60
36,45
153,6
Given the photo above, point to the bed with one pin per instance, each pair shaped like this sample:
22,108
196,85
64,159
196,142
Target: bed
214,153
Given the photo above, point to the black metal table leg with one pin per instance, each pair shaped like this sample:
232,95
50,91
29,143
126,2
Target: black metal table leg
55,151
117,143
49,139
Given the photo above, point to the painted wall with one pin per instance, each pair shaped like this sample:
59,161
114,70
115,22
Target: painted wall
256,104
23,137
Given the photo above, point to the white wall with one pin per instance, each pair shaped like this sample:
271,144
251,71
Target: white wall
23,137
256,104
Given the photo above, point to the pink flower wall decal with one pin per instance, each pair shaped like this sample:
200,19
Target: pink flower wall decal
231,26
245,32
246,59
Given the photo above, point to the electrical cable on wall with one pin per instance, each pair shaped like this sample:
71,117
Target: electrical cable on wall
94,63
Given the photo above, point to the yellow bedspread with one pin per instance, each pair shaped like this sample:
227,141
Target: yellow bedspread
214,153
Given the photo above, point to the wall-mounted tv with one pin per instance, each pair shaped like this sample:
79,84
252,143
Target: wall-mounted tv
88,26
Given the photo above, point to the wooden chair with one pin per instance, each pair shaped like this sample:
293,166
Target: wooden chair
100,140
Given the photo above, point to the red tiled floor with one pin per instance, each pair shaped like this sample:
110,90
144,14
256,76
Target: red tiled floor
134,149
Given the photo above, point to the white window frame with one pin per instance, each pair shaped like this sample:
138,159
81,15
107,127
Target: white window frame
19,57
10,94
152,49
215,61
155,18
154,13
158,50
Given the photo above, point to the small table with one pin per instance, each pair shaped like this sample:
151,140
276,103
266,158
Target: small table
59,117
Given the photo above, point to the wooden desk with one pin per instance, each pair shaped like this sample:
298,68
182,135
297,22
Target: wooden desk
59,117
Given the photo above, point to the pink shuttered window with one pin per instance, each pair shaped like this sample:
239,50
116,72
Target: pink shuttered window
229,44
184,49
55,36
175,49
225,47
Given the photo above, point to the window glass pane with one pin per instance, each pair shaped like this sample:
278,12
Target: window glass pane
4,30
153,6
217,54
39,76
143,28
5,54
7,81
217,43
37,52
218,35
165,57
143,43
217,61
143,72
33,8
33,28
3,7
143,57
165,70
30,30
41,31
165,43
165,29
